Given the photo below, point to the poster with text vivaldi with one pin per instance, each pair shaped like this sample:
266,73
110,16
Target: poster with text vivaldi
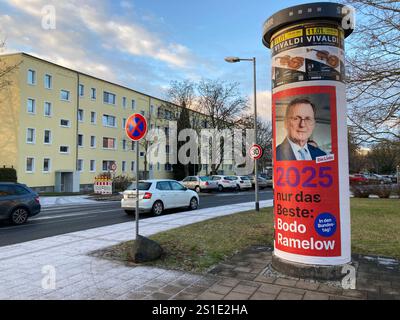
306,190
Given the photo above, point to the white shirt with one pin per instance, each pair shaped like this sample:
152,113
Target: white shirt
296,148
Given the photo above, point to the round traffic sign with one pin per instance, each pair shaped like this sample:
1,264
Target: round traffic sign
136,127
255,152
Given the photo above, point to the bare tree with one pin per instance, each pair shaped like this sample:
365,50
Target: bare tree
374,70
222,103
264,137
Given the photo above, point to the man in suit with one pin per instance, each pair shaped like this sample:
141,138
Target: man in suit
299,123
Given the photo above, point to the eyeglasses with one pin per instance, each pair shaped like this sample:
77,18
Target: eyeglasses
307,120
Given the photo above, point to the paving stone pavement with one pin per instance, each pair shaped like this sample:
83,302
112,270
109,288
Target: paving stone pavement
61,268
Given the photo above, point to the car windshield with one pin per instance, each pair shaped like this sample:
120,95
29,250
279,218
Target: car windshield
204,178
142,186
245,178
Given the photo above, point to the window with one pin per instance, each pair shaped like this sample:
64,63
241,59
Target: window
123,123
142,112
93,93
133,104
31,106
80,115
151,109
92,141
46,165
132,165
163,185
107,164
30,164
124,102
123,166
166,131
47,137
158,166
151,167
108,97
108,143
80,140
81,90
167,149
177,186
167,167
141,153
123,144
109,121
48,81
64,123
64,95
92,117
133,145
92,165
47,109
31,76
79,165
64,149
30,135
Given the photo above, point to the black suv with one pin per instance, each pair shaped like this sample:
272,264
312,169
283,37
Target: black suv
17,202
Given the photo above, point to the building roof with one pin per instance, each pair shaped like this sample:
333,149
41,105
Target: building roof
94,77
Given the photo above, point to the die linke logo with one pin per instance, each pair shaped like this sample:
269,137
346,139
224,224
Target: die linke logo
136,127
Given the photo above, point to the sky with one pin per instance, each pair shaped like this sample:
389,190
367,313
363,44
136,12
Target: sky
146,44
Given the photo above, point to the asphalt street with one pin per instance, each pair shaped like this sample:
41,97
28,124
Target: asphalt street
70,218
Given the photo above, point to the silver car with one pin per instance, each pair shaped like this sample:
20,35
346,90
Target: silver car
200,183
242,182
262,183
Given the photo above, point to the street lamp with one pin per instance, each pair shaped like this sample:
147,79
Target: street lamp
233,60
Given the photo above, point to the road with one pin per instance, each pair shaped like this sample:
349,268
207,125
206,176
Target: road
58,220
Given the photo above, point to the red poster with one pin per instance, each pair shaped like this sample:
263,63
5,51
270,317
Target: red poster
306,183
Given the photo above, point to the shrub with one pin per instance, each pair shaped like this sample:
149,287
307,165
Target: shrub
361,191
121,183
8,175
381,191
396,190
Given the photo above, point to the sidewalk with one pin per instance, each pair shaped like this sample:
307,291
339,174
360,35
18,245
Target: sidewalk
25,268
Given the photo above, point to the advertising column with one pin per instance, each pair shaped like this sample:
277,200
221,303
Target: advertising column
310,157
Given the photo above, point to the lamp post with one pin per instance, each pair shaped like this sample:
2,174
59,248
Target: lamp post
233,60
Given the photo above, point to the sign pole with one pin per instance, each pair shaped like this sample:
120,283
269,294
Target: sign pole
137,190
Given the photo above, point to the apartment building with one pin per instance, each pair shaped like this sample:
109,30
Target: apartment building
61,128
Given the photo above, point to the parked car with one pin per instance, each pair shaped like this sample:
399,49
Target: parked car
224,182
200,183
262,183
18,202
383,179
268,177
242,182
158,195
358,179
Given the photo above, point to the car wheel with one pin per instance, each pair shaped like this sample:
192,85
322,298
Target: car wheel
197,189
130,212
193,204
220,188
157,208
19,216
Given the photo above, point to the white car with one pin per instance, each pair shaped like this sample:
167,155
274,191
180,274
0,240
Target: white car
242,182
224,182
157,195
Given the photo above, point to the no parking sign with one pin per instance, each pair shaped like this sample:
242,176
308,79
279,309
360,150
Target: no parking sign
136,127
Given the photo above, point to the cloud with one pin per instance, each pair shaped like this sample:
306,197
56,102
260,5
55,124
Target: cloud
93,38
263,104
